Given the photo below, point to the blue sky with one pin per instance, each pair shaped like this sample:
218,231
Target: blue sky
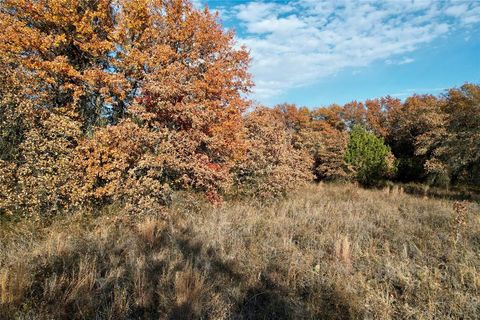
314,53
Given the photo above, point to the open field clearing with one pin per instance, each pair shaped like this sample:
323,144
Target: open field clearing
326,251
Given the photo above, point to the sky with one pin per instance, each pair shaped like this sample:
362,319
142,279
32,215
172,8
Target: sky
316,52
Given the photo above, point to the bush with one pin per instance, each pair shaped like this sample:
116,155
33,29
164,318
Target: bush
107,164
370,157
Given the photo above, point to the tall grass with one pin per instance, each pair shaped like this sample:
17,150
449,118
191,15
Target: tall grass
326,251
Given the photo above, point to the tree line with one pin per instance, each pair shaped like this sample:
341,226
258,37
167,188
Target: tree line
117,101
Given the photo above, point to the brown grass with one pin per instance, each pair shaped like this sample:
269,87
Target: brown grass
327,251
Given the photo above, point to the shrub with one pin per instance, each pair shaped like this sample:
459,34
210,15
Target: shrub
370,157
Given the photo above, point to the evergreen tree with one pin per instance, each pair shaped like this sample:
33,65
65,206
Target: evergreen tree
368,155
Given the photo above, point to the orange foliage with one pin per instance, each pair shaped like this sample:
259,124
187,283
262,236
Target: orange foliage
381,113
45,169
123,101
354,113
193,78
319,132
73,66
125,164
330,155
64,48
328,117
272,165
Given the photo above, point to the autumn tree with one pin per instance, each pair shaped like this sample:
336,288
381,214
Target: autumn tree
452,144
328,143
381,115
295,118
74,66
321,133
56,55
418,122
354,113
66,49
192,89
35,147
126,164
331,116
189,79
272,165
297,122
329,156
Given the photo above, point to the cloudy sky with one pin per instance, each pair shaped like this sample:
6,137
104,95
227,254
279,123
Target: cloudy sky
314,52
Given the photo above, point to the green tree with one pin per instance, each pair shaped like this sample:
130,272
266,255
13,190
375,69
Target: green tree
369,156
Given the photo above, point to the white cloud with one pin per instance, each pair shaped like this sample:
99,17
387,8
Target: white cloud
296,43
256,11
404,60
457,10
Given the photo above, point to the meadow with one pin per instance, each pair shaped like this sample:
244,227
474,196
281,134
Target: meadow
326,251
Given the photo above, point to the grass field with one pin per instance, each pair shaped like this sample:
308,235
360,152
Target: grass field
326,251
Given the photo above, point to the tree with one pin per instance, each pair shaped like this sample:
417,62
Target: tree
272,165
369,156
453,144
65,51
354,113
55,56
381,114
329,155
47,153
413,127
328,142
89,64
296,121
191,80
125,164
294,118
319,132
328,117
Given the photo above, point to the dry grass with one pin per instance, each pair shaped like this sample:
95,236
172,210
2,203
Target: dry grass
328,251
